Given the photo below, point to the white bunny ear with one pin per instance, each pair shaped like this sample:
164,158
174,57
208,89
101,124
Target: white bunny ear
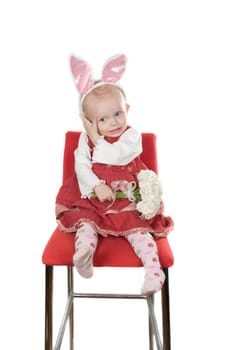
82,74
114,68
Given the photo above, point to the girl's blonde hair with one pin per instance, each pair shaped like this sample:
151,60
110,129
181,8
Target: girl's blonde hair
99,88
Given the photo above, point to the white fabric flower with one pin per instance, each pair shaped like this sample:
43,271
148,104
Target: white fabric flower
151,193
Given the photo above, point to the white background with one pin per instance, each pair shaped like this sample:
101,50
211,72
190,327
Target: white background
179,84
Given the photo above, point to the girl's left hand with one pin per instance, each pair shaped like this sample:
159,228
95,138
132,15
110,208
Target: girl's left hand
104,193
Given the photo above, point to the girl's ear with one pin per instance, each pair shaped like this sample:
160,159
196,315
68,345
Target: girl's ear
127,107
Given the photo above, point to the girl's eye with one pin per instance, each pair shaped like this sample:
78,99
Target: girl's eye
117,114
103,119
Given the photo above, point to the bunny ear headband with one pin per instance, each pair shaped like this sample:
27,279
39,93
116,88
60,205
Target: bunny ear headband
112,72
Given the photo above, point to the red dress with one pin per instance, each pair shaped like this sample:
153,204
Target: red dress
115,218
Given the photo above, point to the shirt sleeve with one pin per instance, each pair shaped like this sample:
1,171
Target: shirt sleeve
121,152
86,178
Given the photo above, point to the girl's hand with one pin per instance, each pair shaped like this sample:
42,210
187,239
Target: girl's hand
91,129
104,193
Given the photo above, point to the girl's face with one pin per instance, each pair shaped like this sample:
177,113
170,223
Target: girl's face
108,109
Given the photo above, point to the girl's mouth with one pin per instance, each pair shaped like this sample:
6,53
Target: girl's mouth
115,131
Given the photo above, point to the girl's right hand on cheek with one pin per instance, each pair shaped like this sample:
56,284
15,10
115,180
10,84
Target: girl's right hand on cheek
90,128
86,123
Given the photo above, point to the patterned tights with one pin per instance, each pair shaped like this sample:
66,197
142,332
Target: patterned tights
143,244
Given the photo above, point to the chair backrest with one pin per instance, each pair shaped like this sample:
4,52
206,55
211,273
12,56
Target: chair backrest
149,156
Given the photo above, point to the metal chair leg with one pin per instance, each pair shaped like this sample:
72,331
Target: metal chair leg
166,314
153,321
48,306
71,314
151,329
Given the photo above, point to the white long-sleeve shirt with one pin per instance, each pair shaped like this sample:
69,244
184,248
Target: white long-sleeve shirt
121,152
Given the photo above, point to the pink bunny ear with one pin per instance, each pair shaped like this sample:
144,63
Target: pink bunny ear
82,74
114,68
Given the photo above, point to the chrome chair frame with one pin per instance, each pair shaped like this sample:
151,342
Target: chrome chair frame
69,312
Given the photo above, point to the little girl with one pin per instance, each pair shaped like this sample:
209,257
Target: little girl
107,160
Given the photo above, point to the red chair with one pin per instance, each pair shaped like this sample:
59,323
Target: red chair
111,251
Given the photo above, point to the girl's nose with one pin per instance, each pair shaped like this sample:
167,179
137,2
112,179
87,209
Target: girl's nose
113,121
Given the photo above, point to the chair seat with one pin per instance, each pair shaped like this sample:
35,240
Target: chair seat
111,251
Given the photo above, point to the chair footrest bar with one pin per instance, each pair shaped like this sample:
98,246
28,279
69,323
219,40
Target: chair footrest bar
109,296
